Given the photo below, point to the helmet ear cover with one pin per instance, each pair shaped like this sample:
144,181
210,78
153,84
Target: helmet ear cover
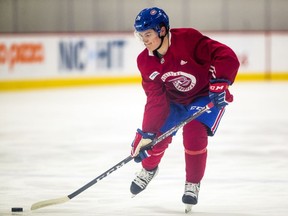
159,27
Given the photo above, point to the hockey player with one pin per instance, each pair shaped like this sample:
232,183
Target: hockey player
181,70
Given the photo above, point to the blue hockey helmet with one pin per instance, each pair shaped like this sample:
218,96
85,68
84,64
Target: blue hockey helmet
151,18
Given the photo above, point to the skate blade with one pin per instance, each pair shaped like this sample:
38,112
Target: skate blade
188,208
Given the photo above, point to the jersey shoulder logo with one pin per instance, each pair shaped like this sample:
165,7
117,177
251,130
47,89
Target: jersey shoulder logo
154,75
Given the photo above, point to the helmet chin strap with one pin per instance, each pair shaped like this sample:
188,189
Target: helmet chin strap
155,52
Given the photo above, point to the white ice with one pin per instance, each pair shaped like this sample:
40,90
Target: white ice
52,142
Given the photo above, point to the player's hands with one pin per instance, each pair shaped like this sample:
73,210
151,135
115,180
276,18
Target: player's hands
219,93
141,140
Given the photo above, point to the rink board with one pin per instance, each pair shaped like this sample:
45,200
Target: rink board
56,60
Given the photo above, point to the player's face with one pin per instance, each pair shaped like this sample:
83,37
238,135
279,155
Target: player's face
150,39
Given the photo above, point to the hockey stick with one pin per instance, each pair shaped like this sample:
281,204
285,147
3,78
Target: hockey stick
64,199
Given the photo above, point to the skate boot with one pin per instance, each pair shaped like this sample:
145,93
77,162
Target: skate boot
142,180
190,196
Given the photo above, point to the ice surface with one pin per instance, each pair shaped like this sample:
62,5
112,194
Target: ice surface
52,142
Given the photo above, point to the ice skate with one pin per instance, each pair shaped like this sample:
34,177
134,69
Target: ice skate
142,180
190,196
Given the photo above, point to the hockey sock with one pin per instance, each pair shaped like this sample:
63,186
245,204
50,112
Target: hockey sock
195,166
195,143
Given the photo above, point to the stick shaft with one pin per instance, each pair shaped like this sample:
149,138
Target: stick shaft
100,177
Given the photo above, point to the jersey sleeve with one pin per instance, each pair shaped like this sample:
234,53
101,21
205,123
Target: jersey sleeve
156,108
223,59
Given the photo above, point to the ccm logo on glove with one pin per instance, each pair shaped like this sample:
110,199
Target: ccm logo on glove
219,93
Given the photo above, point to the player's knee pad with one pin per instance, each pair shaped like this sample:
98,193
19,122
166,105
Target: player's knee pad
156,153
195,138
160,147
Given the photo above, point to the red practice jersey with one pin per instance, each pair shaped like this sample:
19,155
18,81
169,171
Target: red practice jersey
183,73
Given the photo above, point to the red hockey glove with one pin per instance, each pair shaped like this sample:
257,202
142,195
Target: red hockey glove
141,140
219,93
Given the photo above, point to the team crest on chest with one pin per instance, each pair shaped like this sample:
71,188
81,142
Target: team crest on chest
182,81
